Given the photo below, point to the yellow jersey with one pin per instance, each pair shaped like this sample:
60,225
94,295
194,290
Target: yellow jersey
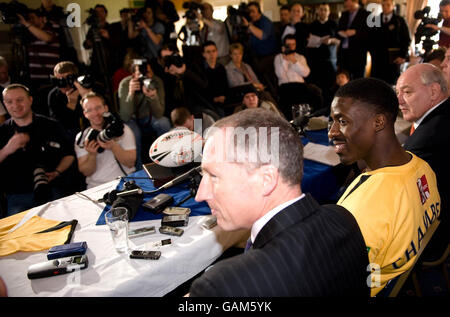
394,206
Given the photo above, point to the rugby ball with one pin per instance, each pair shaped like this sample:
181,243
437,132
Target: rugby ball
177,147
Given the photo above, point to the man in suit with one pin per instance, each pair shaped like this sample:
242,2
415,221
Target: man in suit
353,33
423,97
389,45
252,170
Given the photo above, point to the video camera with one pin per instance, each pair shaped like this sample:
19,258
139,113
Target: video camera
242,12
424,33
191,7
86,81
130,197
9,12
92,20
112,128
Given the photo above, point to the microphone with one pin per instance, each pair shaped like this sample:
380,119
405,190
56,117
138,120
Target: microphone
182,177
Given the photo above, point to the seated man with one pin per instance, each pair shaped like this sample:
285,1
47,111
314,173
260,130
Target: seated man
251,99
298,248
34,154
289,65
216,75
291,69
182,118
142,106
397,199
423,98
100,161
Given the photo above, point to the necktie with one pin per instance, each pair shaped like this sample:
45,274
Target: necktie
412,129
248,245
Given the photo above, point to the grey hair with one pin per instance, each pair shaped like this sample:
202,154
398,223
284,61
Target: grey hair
259,137
434,75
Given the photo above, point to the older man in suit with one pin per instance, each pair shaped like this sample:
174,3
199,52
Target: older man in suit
252,170
423,98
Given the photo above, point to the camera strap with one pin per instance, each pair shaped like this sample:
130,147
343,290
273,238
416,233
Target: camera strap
121,167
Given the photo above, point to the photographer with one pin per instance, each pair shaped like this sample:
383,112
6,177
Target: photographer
64,102
42,47
117,155
101,28
444,35
289,65
149,32
141,100
214,30
291,69
34,154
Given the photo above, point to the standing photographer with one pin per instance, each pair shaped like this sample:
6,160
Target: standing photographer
141,100
149,32
444,35
34,154
101,161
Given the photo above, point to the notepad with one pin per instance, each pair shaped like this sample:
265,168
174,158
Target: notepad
321,153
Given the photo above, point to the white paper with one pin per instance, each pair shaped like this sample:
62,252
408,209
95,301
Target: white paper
314,41
321,153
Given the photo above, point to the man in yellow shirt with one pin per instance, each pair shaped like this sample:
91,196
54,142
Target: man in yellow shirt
396,201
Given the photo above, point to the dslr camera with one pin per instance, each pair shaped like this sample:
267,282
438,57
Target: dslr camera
112,128
143,79
86,81
174,59
287,50
9,12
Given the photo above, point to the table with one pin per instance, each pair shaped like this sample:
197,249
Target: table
113,274
110,273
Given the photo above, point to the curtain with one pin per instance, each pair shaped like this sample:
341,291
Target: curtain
411,7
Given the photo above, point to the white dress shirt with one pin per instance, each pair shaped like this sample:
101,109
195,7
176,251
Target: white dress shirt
288,72
261,222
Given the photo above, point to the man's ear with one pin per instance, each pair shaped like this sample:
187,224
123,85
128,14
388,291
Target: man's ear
269,179
380,122
435,91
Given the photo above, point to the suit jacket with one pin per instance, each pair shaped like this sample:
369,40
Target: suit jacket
305,250
430,142
358,43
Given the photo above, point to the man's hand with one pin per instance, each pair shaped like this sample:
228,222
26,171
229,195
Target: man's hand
91,146
432,26
17,141
107,145
151,93
104,33
399,60
176,71
83,91
219,99
72,97
134,86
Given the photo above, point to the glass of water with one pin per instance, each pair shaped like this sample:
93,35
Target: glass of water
117,221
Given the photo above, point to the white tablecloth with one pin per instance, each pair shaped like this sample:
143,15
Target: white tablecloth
110,273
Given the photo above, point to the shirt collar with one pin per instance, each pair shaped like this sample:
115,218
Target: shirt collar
418,122
261,222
